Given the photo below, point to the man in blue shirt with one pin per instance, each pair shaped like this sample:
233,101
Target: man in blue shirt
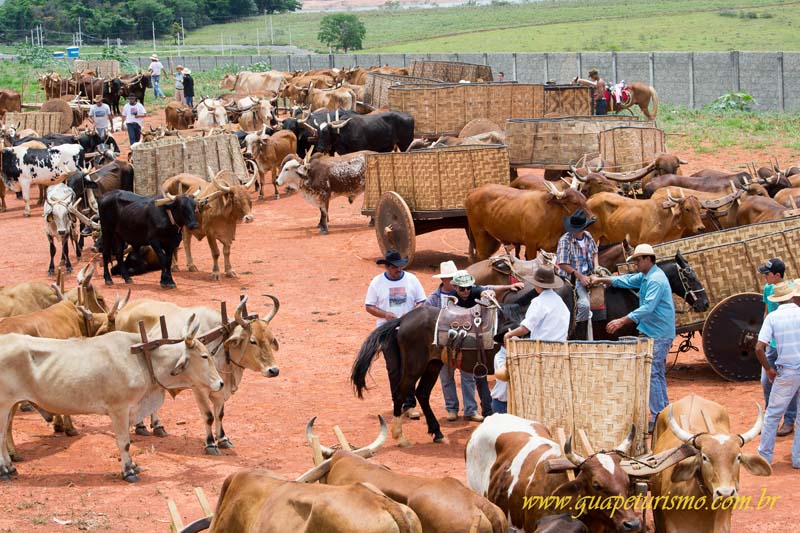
654,318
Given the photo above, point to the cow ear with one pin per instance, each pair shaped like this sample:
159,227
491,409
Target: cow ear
685,470
755,464
181,366
275,345
570,488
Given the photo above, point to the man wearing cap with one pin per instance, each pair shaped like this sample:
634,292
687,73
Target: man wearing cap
155,70
577,254
179,96
654,318
598,86
98,116
547,319
773,272
391,295
783,327
134,113
188,86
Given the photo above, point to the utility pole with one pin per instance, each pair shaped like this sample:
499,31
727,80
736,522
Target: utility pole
183,35
258,41
80,33
153,25
33,42
271,36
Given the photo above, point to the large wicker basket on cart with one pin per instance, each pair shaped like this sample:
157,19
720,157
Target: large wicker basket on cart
726,263
451,71
411,193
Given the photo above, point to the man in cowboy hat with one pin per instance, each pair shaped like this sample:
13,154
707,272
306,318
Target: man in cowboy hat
134,113
98,116
654,318
547,319
577,255
392,294
782,326
155,69
773,272
598,86
179,95
188,86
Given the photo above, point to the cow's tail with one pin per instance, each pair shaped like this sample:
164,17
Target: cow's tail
373,345
654,99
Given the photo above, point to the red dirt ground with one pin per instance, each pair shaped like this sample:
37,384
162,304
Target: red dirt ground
321,282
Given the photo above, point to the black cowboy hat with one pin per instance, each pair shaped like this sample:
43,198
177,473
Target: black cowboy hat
393,257
577,221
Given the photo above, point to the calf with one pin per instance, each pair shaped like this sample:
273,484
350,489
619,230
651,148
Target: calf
320,178
128,218
268,154
506,458
60,223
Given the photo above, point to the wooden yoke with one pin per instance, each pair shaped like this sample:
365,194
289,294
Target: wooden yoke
226,328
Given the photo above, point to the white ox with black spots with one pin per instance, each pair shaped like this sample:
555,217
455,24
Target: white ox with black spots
321,177
23,166
60,223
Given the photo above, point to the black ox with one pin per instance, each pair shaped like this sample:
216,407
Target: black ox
381,132
128,218
92,143
305,129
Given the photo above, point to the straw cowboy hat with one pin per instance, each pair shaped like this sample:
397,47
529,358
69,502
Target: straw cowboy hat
545,278
187,70
98,98
179,67
784,291
154,57
447,269
642,249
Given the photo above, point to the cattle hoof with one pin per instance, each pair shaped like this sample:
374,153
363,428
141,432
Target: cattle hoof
160,431
168,286
215,276
192,268
128,280
26,407
403,442
441,440
260,196
212,450
109,282
277,196
26,214
50,272
71,432
58,428
16,458
5,477
323,231
141,430
175,268
136,469
131,477
225,443
231,274
69,270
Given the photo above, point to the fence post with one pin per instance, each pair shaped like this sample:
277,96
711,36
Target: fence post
485,58
405,60
546,68
737,85
614,67
781,93
580,64
514,66
651,59
691,80
308,58
289,62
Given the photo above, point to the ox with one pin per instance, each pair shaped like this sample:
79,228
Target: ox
23,167
10,101
381,132
211,113
503,215
644,221
106,384
442,504
715,206
129,218
714,182
247,345
32,296
134,84
588,185
788,197
297,91
331,99
754,209
320,178
178,116
506,458
269,153
306,128
60,223
222,204
711,474
247,82
55,86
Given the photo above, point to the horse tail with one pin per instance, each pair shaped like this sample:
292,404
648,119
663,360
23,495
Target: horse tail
654,99
372,346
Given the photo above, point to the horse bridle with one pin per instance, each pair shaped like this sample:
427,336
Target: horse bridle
688,292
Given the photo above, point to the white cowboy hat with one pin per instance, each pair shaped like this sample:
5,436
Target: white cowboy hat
447,269
784,291
642,249
154,57
187,70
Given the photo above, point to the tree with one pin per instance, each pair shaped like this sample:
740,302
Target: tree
342,31
278,6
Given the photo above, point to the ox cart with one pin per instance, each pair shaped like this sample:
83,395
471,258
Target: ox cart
411,193
726,263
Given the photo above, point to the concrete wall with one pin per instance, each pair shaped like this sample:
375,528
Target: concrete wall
692,79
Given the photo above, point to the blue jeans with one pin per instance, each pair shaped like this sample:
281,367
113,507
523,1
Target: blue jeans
658,378
189,100
134,132
791,411
468,385
784,389
601,107
156,89
499,407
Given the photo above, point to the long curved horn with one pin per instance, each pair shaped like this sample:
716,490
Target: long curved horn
340,123
575,172
275,307
626,444
192,326
754,431
574,183
250,162
326,452
159,202
680,433
682,161
573,456
209,172
628,176
57,290
83,218
238,314
220,185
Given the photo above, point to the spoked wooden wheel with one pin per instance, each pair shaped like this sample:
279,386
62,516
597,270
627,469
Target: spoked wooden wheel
730,334
394,226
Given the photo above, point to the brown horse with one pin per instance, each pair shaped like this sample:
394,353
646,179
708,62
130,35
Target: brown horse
641,95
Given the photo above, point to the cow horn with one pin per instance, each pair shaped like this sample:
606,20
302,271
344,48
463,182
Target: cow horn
625,445
336,116
276,305
340,123
671,198
83,218
680,433
264,130
552,188
238,314
599,167
574,183
755,430
573,456
682,161
254,175
220,185
159,202
57,290
326,452
575,172
209,172
308,156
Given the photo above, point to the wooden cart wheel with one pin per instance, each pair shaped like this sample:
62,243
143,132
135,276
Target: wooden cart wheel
56,105
730,334
394,226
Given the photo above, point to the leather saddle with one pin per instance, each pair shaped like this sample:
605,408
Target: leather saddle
517,269
468,336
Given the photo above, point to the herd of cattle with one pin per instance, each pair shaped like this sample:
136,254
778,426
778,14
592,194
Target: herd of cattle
320,150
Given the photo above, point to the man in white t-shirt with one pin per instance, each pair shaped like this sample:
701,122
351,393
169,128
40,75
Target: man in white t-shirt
99,114
156,68
134,113
393,294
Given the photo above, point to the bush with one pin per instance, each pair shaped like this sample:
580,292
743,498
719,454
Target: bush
34,56
261,66
119,53
727,13
734,101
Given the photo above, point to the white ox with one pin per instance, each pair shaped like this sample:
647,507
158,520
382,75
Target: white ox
211,113
247,82
99,375
60,223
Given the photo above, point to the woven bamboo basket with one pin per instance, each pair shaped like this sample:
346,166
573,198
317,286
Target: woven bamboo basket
43,123
451,71
446,108
434,180
599,387
104,68
567,100
158,160
555,142
625,148
376,87
726,261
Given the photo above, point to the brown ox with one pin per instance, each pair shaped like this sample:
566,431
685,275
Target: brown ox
714,213
754,209
506,458
590,185
178,116
332,99
247,345
55,86
247,82
711,474
10,101
503,215
386,69
269,153
711,182
644,221
297,91
33,296
789,197
355,75
222,204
